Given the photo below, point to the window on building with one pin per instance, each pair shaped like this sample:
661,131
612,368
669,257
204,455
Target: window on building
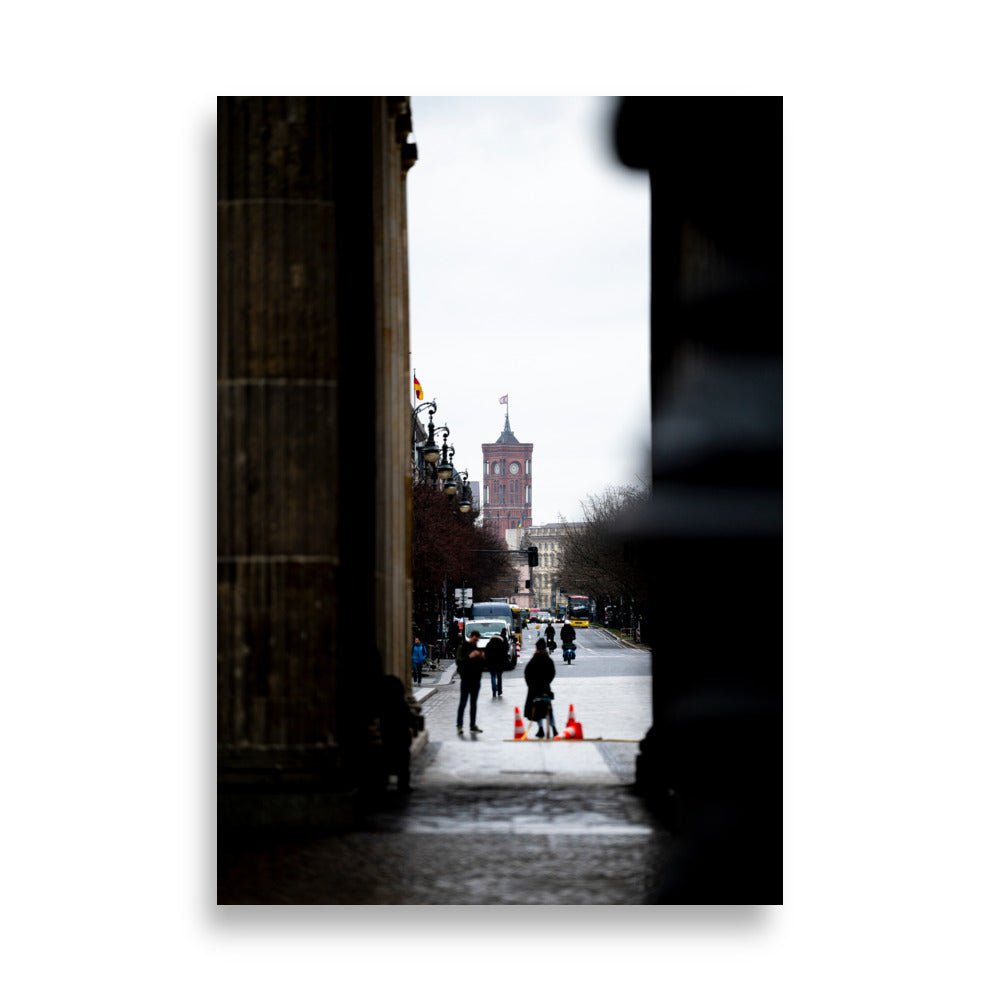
527,496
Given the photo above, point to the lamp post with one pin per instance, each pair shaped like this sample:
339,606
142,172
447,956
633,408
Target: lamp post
429,452
435,462
465,495
452,483
445,469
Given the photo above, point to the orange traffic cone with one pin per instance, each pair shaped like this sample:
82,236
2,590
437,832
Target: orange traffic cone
573,730
519,733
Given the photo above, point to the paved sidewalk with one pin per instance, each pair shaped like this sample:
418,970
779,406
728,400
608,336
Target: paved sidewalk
489,821
615,713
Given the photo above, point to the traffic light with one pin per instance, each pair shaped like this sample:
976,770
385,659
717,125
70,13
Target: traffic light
532,555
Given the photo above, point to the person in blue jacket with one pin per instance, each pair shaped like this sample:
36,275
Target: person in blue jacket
417,657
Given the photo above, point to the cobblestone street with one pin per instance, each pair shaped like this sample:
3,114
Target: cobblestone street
490,821
468,846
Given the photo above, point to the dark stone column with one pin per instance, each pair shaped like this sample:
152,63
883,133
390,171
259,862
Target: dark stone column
298,658
278,449
711,538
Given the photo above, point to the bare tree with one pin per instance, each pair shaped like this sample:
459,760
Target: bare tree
598,559
449,549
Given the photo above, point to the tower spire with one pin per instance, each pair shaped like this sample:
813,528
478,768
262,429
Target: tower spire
507,435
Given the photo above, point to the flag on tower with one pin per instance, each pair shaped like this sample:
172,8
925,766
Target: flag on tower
503,399
519,523
417,387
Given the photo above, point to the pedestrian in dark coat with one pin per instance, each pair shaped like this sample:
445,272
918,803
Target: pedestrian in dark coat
550,637
397,727
470,663
497,657
539,673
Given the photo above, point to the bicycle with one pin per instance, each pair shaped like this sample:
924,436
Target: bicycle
435,651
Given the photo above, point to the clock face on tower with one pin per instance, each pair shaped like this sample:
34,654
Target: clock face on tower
515,468
497,468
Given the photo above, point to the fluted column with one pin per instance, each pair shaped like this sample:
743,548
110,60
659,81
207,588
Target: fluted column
313,433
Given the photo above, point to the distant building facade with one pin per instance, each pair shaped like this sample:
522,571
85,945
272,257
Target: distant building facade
506,499
546,577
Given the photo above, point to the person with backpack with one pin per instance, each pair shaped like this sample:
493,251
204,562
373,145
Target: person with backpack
497,653
418,656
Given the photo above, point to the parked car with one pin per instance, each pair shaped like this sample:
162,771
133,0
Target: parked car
489,627
500,609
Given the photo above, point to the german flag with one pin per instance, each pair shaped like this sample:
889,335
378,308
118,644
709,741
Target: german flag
417,387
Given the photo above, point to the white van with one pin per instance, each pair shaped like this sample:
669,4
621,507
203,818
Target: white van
493,611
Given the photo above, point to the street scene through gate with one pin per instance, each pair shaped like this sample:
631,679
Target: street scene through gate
491,819
370,486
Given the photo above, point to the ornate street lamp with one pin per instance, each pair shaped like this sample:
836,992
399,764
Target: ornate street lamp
445,469
465,496
429,452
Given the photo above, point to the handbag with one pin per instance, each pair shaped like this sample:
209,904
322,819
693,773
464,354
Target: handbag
541,706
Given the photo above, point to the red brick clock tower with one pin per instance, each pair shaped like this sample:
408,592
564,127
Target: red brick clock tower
506,501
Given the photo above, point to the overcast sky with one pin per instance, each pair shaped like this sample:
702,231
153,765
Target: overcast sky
529,277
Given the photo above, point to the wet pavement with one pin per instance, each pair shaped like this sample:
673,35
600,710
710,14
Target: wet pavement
468,846
490,820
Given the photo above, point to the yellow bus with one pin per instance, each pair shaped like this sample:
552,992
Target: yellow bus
579,611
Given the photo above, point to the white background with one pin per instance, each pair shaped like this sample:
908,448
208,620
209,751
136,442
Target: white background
891,502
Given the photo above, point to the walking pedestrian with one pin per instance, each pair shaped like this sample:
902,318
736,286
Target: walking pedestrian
497,654
418,657
550,636
470,661
539,673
